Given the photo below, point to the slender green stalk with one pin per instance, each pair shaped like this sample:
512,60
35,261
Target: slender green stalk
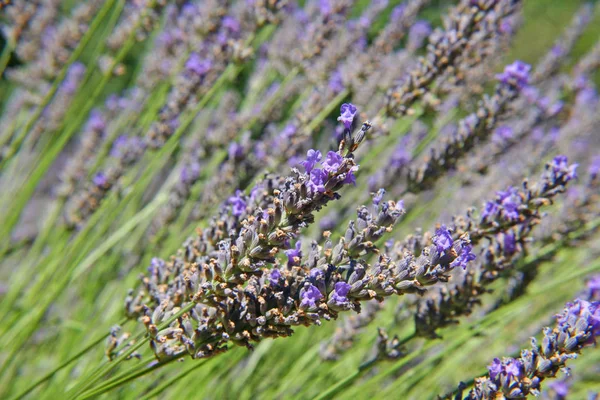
64,364
170,382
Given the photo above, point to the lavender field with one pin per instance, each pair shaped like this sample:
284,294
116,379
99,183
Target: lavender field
304,199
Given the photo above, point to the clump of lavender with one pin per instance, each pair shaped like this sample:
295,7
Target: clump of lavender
576,328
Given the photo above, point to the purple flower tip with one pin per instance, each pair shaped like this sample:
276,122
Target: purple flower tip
332,162
294,253
312,157
274,276
197,65
340,293
309,295
443,240
100,179
238,204
347,114
516,74
466,255
378,196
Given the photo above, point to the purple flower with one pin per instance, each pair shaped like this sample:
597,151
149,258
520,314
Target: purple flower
347,114
560,166
495,368
502,134
418,33
332,162
312,157
318,179
315,274
350,177
100,179
490,210
324,7
580,313
340,293
510,244
378,196
238,204
294,253
510,202
400,156
274,276
464,257
442,240
336,83
593,285
309,295
197,65
513,368
397,13
96,121
235,151
561,388
231,24
189,173
516,73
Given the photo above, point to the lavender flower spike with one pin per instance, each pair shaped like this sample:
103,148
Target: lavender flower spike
577,326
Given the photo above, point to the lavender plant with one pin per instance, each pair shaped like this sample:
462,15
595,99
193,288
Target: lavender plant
180,182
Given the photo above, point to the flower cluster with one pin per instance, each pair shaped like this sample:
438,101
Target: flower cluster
576,327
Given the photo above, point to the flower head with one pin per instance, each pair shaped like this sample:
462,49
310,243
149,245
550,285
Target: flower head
197,65
332,162
560,166
312,157
309,295
294,255
347,114
238,204
340,293
516,74
495,368
443,240
464,257
100,179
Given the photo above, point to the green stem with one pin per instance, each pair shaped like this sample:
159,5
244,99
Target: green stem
49,375
165,385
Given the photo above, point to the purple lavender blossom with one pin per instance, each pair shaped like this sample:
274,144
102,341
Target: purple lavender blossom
100,179
502,134
197,65
593,285
235,151
418,32
294,255
96,121
309,295
347,114
318,178
495,368
443,240
378,196
510,201
336,83
332,162
513,368
465,256
274,276
312,157
517,72
350,178
561,389
509,244
238,204
560,165
340,293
